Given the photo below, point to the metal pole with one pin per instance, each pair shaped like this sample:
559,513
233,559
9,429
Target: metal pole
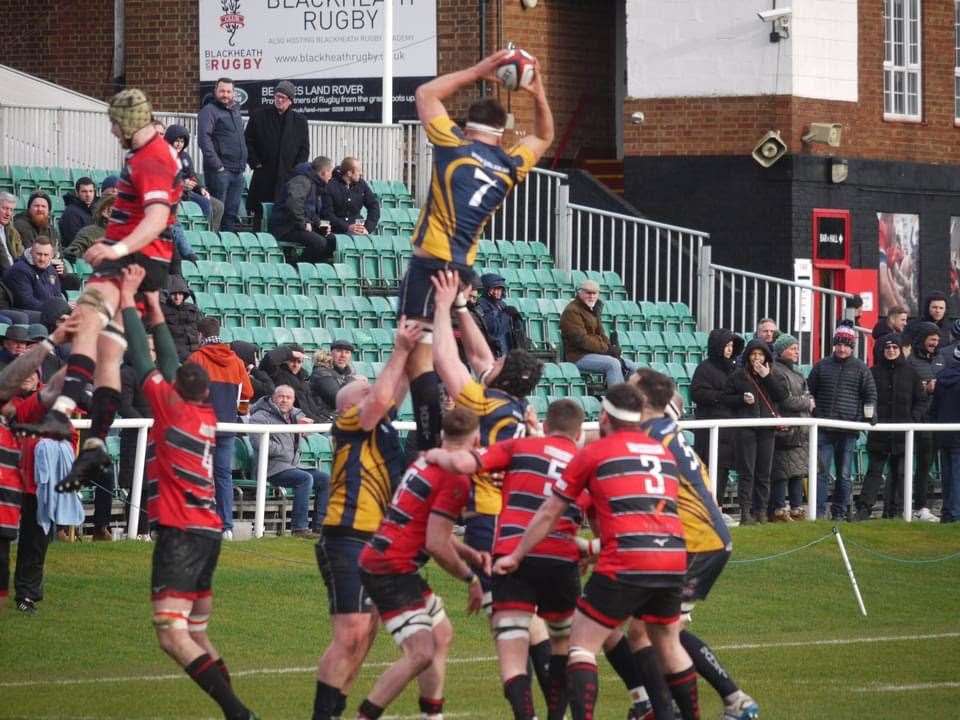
812,473
387,113
563,224
136,488
908,477
714,459
263,455
705,279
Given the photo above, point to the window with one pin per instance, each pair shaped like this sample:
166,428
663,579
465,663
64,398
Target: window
956,61
901,59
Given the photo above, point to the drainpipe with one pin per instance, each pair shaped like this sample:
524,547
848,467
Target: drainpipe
119,64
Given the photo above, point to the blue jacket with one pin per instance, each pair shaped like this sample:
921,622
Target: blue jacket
220,136
32,288
946,405
76,216
53,460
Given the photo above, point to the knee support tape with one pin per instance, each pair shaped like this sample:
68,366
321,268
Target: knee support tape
170,620
512,627
436,610
93,298
198,623
557,629
114,333
407,623
581,655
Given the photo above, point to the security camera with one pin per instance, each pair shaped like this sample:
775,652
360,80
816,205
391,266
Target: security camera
637,118
775,14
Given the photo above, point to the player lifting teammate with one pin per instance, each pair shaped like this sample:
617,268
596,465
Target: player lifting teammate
419,525
547,582
472,174
180,498
138,232
368,463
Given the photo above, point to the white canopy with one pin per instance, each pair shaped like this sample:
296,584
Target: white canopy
19,88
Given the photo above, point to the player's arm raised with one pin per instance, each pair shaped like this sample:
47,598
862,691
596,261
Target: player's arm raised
23,366
543,130
132,325
446,359
430,95
391,379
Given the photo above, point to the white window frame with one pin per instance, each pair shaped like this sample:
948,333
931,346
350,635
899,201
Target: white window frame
902,56
956,62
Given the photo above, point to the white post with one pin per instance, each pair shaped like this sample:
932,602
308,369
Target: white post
263,455
849,567
908,477
812,457
705,289
136,487
714,458
564,229
387,116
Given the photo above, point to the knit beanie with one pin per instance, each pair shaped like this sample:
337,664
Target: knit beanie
845,335
783,342
285,87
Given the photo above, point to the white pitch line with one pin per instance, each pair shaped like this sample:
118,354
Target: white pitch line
907,688
465,660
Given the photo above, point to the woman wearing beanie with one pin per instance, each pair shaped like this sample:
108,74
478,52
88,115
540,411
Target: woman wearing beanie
790,460
753,391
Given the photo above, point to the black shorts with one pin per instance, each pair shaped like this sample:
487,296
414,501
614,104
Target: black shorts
548,587
610,602
338,558
155,279
703,569
478,534
416,290
183,564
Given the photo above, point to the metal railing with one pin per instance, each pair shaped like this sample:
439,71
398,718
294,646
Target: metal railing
533,212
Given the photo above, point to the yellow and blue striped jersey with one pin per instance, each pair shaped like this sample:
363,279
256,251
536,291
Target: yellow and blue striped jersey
470,180
501,418
367,467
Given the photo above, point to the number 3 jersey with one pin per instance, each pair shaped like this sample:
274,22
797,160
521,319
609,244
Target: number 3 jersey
180,461
470,180
632,480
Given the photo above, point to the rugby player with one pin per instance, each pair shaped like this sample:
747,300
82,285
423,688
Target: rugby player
138,232
419,525
472,174
368,463
633,486
180,498
547,582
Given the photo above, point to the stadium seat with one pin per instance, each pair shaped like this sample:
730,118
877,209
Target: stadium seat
369,317
269,244
212,245
270,314
346,315
243,333
652,315
289,311
226,304
687,321
283,336
349,278
383,338
692,350
263,336
304,338
574,379
250,312
308,309
509,255
321,338
270,277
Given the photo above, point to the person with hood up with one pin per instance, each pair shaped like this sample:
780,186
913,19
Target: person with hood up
790,462
496,316
94,231
285,367
753,391
298,215
230,391
900,399
349,194
934,309
946,409
277,141
77,211
925,359
706,390
262,383
182,316
224,150
179,138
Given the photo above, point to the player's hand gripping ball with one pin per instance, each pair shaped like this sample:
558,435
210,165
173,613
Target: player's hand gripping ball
516,70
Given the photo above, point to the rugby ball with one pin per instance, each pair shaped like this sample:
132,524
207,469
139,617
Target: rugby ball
516,70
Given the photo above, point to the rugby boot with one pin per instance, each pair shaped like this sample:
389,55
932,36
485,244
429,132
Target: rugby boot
54,425
90,467
740,706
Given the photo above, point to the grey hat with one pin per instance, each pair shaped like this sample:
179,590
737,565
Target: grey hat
287,88
341,345
20,333
37,332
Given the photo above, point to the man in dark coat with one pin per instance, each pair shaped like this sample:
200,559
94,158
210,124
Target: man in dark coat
934,309
285,367
182,317
349,194
33,279
497,320
706,390
326,381
220,136
298,216
900,399
77,211
262,383
277,141
925,359
946,409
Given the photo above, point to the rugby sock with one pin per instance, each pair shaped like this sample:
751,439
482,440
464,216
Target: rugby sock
79,374
369,711
557,695
205,673
431,708
651,677
222,667
620,658
540,658
707,664
427,411
326,702
103,411
518,694
341,704
582,681
683,687
4,568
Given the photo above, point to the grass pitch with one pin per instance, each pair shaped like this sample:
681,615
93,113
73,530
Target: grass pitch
787,628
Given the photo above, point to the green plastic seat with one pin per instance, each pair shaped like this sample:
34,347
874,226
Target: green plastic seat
263,336
206,302
243,333
269,244
653,315
230,314
308,309
250,313
383,338
270,315
553,378
349,278
289,311
509,255
691,349
270,275
346,314
369,317
322,337
190,271
591,407
304,337
283,336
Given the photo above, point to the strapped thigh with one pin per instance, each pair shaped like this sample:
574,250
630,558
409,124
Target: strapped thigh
170,619
515,626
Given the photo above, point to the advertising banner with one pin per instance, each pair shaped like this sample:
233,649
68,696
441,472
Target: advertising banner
899,243
331,51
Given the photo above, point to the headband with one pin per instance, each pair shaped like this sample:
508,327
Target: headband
624,415
480,127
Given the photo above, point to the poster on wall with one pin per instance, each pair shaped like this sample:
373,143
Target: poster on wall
899,239
953,306
331,51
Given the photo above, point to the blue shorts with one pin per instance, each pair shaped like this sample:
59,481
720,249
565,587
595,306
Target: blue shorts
703,569
416,290
479,532
338,558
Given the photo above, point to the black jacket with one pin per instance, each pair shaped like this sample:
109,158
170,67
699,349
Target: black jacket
841,388
927,366
276,144
31,287
346,201
900,398
943,326
76,215
710,377
182,319
272,364
767,391
262,384
220,136
302,200
946,405
188,170
325,383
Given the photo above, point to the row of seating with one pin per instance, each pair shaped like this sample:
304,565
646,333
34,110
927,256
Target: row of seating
252,310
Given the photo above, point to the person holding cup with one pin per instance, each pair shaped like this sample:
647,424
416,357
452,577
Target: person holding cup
299,215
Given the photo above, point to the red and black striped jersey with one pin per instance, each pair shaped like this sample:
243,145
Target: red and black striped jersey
399,546
11,484
633,486
150,175
180,460
533,465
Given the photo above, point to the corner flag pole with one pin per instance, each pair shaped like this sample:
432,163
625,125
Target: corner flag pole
846,562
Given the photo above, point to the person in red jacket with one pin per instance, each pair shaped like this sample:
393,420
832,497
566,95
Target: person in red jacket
230,392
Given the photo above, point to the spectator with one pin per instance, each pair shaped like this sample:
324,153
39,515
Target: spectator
182,317
285,367
109,185
900,399
753,391
283,463
790,455
473,299
92,233
349,194
327,379
584,342
894,322
36,221
706,390
298,215
261,382
16,341
11,244
179,138
946,409
843,389
37,332
925,361
33,279
133,405
230,391
497,320
220,136
766,331
77,212
934,309
277,141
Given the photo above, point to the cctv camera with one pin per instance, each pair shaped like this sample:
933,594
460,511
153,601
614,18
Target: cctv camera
775,14
637,118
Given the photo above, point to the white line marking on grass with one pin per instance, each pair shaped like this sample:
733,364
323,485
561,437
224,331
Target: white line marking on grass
465,660
907,688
